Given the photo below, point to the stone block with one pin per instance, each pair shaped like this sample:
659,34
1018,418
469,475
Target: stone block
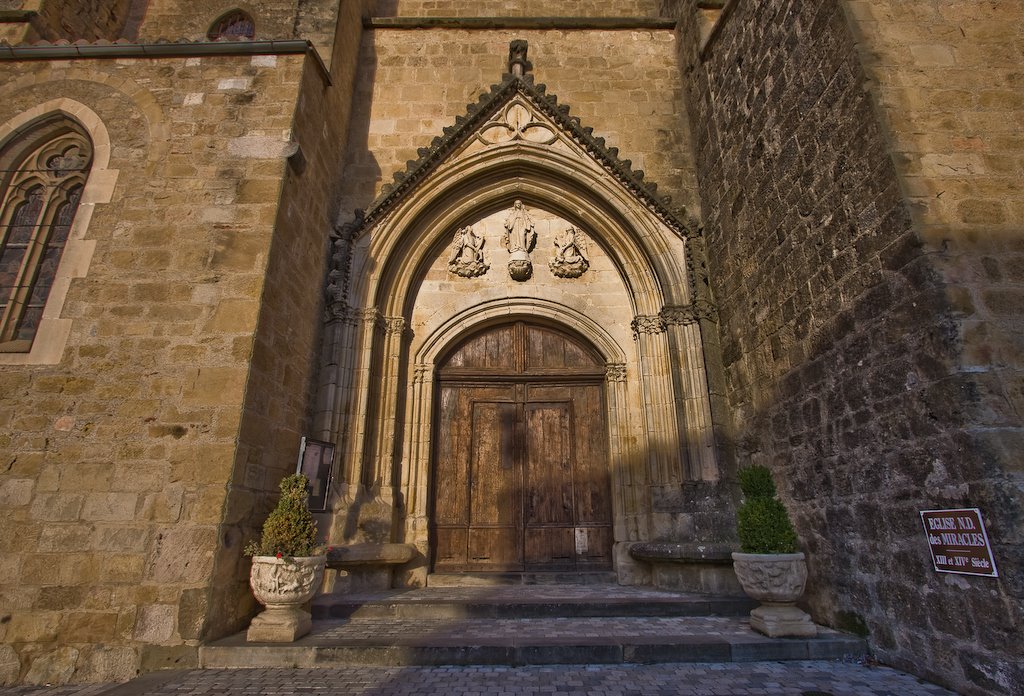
88,627
110,507
192,610
782,621
10,665
154,623
16,492
34,627
182,555
214,386
107,664
156,657
53,667
233,316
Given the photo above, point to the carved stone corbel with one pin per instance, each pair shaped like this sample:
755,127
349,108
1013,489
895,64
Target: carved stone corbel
570,259
467,257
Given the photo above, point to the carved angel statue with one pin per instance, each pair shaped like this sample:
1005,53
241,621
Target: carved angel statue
570,254
520,234
467,257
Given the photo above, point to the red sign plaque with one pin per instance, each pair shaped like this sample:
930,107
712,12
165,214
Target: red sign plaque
958,542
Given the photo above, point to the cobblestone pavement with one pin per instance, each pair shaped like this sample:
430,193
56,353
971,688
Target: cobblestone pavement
776,678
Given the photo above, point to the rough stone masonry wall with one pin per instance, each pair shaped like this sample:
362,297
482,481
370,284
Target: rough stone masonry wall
68,19
83,19
843,344
314,20
114,462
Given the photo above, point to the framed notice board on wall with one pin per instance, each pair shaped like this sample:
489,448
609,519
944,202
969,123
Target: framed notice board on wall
316,462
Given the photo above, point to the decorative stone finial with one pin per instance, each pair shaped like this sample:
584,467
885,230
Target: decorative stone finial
518,65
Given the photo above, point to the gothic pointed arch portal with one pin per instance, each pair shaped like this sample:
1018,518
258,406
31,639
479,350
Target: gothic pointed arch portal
518,214
520,478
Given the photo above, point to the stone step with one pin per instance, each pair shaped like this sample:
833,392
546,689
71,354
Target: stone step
492,603
401,642
527,578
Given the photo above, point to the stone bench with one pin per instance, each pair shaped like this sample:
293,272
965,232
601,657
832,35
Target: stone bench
365,566
689,567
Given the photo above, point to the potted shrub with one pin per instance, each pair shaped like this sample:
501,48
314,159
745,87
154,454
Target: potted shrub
769,566
287,567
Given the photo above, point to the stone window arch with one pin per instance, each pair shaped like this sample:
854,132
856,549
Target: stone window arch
236,24
44,169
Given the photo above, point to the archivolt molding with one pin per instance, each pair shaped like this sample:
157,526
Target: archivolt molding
504,310
488,181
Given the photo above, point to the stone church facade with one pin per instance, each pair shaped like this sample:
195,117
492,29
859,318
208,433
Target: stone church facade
545,283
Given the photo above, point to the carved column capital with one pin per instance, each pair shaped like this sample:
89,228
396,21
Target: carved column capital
341,311
393,325
422,372
368,316
647,324
615,372
682,315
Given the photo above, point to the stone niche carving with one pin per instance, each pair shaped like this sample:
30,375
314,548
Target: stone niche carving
570,259
467,257
519,238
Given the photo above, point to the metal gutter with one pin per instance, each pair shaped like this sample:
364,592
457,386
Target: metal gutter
192,49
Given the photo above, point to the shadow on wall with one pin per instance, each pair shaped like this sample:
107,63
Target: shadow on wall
868,431
386,8
133,21
361,173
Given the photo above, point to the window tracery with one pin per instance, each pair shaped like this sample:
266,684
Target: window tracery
43,170
233,25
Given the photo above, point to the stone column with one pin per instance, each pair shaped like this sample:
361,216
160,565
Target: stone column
415,473
659,408
381,477
693,402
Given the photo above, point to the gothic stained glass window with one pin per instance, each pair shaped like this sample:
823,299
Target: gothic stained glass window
42,173
233,25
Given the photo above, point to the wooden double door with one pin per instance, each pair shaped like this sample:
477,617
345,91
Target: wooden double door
521,480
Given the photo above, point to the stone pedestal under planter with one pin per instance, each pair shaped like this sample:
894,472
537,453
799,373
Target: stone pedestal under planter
776,580
283,586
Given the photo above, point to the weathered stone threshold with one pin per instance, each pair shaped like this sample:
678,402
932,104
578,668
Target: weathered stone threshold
184,49
477,23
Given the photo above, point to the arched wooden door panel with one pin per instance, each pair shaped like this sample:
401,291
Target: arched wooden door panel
521,478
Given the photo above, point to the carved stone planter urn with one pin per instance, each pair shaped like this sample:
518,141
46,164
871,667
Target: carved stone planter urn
777,581
283,586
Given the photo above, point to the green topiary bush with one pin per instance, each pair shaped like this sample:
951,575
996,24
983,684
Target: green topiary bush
762,521
290,529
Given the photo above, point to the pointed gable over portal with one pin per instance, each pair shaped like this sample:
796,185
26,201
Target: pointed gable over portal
518,109
517,216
